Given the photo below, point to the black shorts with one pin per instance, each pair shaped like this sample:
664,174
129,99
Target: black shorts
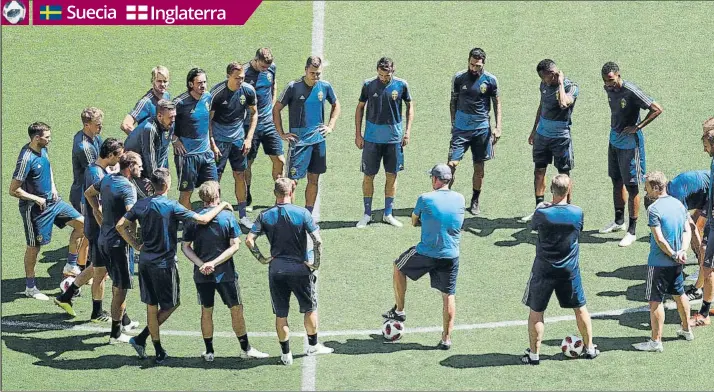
282,285
709,254
627,165
118,263
662,281
442,272
160,286
195,169
229,292
479,141
390,154
559,151
94,256
268,136
539,289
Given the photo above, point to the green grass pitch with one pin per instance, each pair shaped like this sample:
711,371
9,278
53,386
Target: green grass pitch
52,73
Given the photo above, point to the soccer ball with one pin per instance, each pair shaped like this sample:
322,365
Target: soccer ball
14,12
66,282
572,346
392,330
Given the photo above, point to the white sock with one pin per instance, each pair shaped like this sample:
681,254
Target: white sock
400,312
533,357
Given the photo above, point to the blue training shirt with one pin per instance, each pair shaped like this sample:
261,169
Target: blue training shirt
384,109
191,126
210,241
441,213
159,217
554,121
92,175
146,107
287,227
558,246
34,171
85,151
473,101
306,108
154,142
263,83
671,216
230,110
625,106
691,188
116,194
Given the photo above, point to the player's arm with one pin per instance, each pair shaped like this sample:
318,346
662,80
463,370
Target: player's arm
655,109
17,191
359,114
253,247
453,102
335,111
149,149
687,235
410,120
251,129
416,213
205,218
126,229
127,125
496,100
278,120
415,220
531,137
316,250
212,142
210,266
187,248
92,197
565,99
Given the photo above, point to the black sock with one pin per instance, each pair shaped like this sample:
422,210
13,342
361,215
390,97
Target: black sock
539,199
69,294
142,336
82,267
312,339
285,346
243,340
632,227
125,320
704,311
157,347
96,307
209,344
619,216
116,329
475,195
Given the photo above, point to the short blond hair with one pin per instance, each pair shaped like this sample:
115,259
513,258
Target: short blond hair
159,70
657,180
209,191
91,114
283,186
560,185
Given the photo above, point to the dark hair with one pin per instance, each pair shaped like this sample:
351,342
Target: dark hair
192,74
233,66
264,55
545,65
315,61
110,146
385,64
37,129
160,178
610,67
478,54
129,159
165,104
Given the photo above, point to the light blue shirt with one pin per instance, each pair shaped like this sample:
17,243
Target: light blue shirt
441,214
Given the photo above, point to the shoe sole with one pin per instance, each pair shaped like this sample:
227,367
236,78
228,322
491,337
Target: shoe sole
66,307
139,350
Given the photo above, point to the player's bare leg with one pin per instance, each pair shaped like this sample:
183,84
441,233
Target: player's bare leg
633,206
311,190
400,288
449,313
283,330
98,282
538,189
619,198
367,193
585,326
702,317
118,307
240,186
390,191
536,328
452,165
185,199
83,254
278,165
76,238
656,320
476,183
31,290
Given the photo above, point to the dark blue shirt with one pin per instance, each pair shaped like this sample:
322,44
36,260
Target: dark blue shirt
34,171
92,175
116,194
625,106
210,241
85,151
146,107
159,217
384,109
558,246
473,97
691,189
671,216
441,214
154,142
555,121
192,118
306,108
263,83
287,227
230,111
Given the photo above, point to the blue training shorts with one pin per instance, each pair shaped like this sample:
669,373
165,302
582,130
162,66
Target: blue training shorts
233,152
307,159
38,224
391,154
627,165
442,272
558,150
662,281
539,289
479,141
267,135
195,169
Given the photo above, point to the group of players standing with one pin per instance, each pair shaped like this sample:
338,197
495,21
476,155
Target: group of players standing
208,130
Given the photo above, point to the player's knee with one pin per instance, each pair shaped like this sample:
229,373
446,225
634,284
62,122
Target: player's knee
452,165
632,190
539,171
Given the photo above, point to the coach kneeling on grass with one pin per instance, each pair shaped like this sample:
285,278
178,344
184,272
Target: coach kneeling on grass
556,268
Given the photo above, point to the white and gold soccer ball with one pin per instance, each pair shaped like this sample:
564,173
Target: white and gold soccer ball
572,346
14,12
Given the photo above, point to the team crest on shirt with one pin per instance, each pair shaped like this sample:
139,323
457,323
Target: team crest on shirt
185,184
208,106
39,238
623,103
320,95
293,171
395,94
483,88
242,99
269,77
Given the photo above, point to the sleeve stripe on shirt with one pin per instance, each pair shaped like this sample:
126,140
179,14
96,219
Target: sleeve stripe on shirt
140,105
215,91
639,93
453,80
88,152
180,98
282,94
152,150
23,164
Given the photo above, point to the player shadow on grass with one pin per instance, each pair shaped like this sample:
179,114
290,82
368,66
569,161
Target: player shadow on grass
484,227
374,345
377,216
635,292
472,361
14,288
641,321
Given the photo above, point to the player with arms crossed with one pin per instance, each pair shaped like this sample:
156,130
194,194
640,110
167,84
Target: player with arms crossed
702,318
305,99
557,268
384,138
158,273
146,107
671,234
473,91
231,102
550,137
260,73
211,248
195,162
626,151
40,205
440,214
290,272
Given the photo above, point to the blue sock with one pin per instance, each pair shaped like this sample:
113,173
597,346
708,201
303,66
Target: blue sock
388,202
30,282
241,209
310,208
72,258
368,206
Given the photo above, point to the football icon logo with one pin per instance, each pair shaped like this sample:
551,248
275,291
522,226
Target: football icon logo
14,12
